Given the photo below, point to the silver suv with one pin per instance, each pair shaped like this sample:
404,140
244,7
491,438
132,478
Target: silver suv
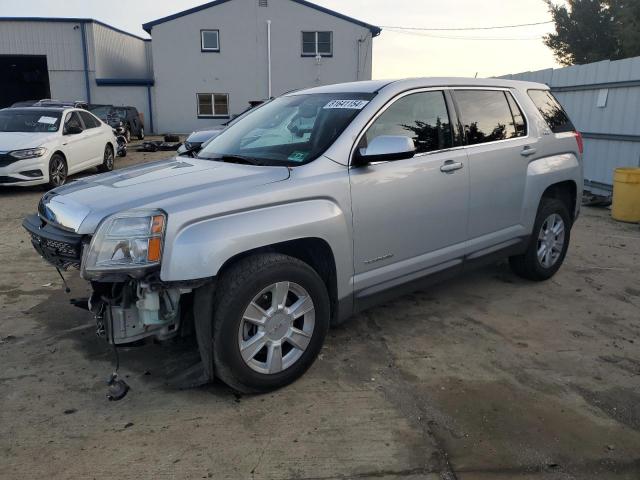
314,206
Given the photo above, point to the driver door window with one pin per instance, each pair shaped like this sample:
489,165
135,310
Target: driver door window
73,120
420,116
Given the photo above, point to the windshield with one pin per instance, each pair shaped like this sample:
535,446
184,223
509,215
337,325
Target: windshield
14,120
289,130
121,112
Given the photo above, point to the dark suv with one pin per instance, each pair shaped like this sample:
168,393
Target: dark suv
132,122
126,118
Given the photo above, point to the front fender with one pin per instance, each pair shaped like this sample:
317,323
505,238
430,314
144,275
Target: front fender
200,249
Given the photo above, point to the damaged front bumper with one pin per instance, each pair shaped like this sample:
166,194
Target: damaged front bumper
62,248
126,309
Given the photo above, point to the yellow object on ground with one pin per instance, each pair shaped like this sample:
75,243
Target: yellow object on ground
626,195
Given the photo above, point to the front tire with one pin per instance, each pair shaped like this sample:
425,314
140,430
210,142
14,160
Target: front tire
108,160
271,316
58,171
548,244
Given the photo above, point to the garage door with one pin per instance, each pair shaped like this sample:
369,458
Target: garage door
24,77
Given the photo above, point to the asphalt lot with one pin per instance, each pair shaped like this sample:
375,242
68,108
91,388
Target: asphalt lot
483,377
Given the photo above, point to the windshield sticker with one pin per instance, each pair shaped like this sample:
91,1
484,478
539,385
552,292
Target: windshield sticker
48,120
349,104
297,156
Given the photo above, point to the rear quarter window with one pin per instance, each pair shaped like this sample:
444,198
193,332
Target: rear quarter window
551,111
489,116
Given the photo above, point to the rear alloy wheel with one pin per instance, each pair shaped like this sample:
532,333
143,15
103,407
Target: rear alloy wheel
141,134
548,244
108,160
271,315
57,171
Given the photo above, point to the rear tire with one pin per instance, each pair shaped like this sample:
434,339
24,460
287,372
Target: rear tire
58,171
141,134
548,244
108,160
258,345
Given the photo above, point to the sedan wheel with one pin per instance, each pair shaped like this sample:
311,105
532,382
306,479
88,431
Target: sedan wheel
57,171
108,160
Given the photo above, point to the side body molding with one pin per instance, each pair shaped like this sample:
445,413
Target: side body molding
200,249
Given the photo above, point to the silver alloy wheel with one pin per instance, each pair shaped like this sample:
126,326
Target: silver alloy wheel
276,327
57,171
550,240
108,158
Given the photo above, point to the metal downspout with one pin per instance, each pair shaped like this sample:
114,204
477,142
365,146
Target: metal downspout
269,54
85,56
150,109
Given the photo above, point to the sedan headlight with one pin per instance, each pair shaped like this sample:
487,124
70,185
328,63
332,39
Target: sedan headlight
28,153
127,241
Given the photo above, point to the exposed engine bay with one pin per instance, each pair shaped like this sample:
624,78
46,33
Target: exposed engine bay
132,311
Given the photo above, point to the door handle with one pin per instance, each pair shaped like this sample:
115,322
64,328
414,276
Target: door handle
527,151
450,166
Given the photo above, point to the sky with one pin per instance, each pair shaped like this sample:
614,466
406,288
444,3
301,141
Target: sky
395,54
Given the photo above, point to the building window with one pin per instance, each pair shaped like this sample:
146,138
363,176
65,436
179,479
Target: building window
263,3
213,105
210,40
317,43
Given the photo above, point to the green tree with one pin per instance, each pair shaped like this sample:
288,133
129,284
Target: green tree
627,26
593,30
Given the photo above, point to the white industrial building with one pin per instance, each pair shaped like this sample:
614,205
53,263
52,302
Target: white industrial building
74,59
201,66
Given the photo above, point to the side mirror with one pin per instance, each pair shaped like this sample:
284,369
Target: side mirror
72,130
385,148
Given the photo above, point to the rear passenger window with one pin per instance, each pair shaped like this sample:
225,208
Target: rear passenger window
89,120
422,116
551,111
488,116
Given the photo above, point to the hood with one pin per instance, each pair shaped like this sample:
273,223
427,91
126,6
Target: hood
20,140
171,184
202,136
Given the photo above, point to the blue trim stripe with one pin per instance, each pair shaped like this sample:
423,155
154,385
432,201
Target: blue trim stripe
375,31
71,20
120,82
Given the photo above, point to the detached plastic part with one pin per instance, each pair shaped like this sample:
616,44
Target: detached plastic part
117,388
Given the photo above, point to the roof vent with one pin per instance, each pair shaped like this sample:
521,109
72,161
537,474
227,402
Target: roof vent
263,3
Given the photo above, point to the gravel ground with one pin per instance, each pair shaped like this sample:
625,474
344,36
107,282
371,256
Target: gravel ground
483,377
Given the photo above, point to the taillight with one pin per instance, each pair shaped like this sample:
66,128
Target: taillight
580,142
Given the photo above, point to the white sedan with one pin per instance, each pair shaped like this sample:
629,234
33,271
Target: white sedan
45,145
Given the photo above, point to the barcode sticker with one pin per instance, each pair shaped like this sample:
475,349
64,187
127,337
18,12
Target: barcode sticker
349,104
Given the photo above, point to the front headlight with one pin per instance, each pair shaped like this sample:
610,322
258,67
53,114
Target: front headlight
28,153
127,241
